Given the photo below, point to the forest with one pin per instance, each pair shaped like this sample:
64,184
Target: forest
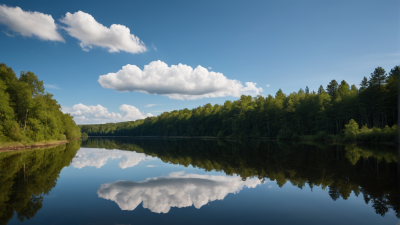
323,113
369,170
29,114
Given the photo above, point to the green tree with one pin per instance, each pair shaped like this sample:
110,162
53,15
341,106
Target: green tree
8,127
27,113
351,130
321,90
364,84
34,83
332,89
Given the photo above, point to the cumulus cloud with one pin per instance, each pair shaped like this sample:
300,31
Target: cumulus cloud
98,114
176,82
99,157
176,190
29,23
91,33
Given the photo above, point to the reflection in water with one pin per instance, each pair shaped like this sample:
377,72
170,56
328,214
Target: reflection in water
27,175
366,170
176,190
99,157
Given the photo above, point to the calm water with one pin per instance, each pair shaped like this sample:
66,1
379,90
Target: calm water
159,181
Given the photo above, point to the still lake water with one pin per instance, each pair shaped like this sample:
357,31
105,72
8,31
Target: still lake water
114,181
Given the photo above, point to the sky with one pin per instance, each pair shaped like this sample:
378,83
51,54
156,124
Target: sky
112,61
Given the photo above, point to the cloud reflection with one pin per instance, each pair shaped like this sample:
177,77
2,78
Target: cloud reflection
176,190
99,157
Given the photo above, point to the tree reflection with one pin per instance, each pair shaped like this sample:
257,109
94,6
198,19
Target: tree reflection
30,209
367,169
26,176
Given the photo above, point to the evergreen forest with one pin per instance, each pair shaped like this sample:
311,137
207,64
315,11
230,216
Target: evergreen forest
341,110
29,114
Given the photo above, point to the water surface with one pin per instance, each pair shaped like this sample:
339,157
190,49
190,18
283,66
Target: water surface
167,181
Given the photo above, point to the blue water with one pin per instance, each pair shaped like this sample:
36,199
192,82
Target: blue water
111,186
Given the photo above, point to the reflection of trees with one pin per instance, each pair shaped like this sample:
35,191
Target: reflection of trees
26,176
30,209
369,170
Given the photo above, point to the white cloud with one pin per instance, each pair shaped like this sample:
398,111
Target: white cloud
176,82
152,45
51,86
176,190
150,166
29,23
150,105
98,114
99,157
268,85
90,33
210,68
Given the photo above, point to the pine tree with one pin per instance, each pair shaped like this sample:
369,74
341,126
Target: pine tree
332,88
364,84
321,90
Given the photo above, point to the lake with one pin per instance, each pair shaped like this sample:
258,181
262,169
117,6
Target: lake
115,181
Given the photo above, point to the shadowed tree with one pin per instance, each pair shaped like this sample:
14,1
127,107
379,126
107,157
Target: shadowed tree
332,89
364,84
321,90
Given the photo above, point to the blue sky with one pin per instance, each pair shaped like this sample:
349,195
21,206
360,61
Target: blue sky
282,44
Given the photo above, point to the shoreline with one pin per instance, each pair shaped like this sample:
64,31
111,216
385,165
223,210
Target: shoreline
19,146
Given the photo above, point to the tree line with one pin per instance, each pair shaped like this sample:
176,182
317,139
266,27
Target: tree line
304,112
28,113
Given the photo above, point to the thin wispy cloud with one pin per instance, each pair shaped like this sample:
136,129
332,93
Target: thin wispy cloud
150,105
268,85
8,34
210,68
51,86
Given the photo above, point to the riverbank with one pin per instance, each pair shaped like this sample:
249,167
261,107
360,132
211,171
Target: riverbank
18,145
